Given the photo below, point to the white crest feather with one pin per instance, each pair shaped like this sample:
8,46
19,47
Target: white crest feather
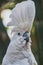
23,15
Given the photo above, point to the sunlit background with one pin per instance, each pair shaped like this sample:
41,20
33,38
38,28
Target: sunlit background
36,33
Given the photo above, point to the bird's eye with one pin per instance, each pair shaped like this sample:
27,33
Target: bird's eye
19,33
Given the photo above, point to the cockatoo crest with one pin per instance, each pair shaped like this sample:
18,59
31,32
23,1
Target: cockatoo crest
20,18
23,16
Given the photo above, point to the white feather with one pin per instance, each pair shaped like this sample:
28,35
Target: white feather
5,15
23,15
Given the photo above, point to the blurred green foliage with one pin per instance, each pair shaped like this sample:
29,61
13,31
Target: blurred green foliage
39,9
8,5
18,1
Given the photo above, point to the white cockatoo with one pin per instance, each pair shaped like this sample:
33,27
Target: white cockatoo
19,49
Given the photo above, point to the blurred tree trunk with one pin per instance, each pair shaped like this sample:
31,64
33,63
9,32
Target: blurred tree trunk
42,4
39,39
4,41
42,7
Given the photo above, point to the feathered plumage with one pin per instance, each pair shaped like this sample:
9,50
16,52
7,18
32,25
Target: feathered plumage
23,16
19,51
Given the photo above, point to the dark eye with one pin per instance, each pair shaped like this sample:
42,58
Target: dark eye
19,33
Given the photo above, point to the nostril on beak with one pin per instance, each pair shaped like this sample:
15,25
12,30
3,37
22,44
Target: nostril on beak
27,39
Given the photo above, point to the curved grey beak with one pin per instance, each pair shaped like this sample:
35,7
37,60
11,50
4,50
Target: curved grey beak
26,36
